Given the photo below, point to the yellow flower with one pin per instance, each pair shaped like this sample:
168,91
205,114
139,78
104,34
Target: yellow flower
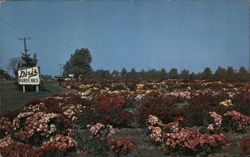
226,103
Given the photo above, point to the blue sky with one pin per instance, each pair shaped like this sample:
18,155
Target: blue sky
143,34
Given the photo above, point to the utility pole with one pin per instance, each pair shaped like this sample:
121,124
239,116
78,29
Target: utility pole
24,42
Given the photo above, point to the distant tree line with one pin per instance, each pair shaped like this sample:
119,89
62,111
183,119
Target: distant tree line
229,74
79,65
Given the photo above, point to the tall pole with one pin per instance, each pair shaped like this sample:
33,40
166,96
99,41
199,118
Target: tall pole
24,43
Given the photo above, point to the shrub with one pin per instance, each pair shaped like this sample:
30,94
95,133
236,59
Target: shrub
110,110
159,105
11,148
173,138
5,126
242,102
236,121
245,146
122,147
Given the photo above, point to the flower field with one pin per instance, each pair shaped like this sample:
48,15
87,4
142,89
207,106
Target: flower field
174,118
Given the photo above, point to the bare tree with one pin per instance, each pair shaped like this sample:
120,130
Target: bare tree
14,63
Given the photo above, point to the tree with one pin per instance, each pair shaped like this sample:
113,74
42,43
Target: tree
27,60
14,64
173,73
192,76
143,74
124,73
242,76
132,73
101,74
207,74
184,74
156,74
230,74
24,61
115,74
163,74
79,64
221,73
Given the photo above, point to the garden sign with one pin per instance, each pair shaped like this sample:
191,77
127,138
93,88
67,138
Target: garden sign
29,76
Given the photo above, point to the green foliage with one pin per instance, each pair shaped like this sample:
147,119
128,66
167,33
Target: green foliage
184,74
173,73
221,73
79,63
115,74
132,74
242,76
124,73
4,75
101,74
207,74
27,60
229,74
192,76
163,74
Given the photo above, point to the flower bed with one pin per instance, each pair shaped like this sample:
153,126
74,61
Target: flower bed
190,117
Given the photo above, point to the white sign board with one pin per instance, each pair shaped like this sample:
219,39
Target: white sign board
29,76
71,75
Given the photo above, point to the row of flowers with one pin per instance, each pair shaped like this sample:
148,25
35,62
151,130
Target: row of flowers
211,96
172,137
232,120
66,142
181,89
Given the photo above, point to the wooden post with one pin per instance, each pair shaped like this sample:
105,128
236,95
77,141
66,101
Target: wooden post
23,89
37,88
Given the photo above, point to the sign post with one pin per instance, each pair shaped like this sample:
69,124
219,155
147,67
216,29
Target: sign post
29,76
23,89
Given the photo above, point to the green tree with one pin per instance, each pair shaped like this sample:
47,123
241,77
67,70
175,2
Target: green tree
184,74
132,74
173,73
79,63
221,73
115,74
155,74
192,76
242,75
230,74
27,60
207,74
143,74
101,74
124,73
163,74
